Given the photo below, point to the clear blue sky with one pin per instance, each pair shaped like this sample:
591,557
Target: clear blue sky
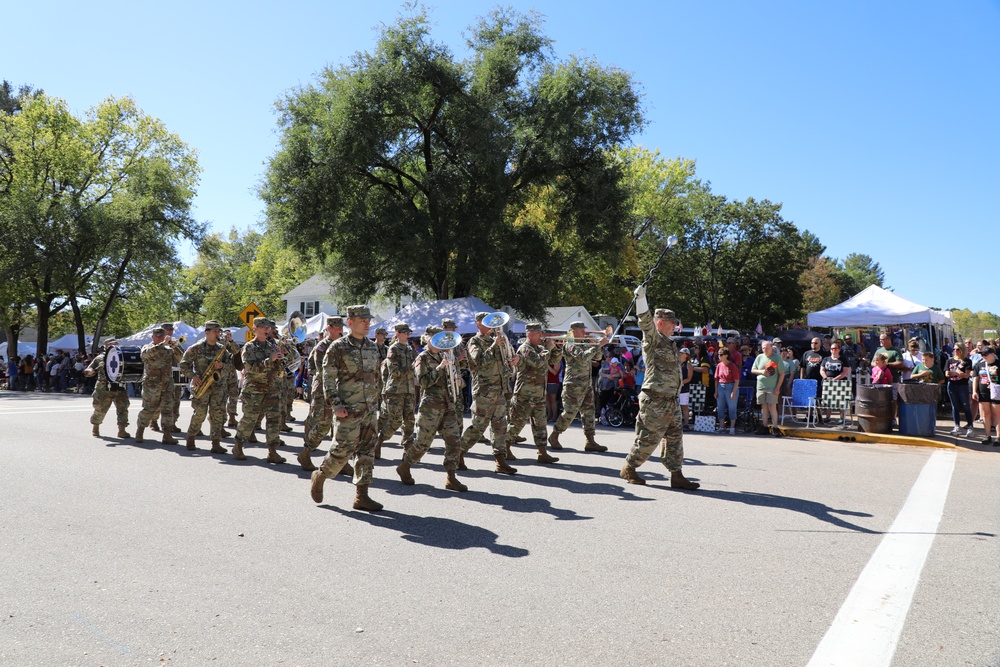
874,123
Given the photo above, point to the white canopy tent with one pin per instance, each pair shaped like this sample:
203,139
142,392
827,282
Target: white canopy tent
145,336
559,319
23,349
874,306
422,314
69,343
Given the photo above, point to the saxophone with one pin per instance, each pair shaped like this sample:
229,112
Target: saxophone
206,383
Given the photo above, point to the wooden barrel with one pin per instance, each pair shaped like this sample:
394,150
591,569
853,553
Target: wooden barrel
874,408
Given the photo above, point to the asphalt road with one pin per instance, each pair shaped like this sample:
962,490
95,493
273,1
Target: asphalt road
122,554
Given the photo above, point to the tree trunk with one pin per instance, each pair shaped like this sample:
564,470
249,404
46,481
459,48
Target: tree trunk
112,298
43,307
81,334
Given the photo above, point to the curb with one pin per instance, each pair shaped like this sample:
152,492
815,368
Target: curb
873,438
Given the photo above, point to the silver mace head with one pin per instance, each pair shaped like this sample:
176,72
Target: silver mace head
671,241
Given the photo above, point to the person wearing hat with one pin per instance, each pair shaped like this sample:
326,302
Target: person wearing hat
158,360
202,364
491,373
168,420
286,379
440,412
659,409
263,365
381,334
528,402
578,388
352,387
461,354
320,418
106,393
230,377
399,392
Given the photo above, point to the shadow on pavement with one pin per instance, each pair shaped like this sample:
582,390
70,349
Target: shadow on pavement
811,508
435,531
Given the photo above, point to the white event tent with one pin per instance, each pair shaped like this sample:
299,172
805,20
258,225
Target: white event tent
874,306
23,349
422,314
145,336
559,319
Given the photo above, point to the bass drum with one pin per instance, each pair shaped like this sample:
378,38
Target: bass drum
114,363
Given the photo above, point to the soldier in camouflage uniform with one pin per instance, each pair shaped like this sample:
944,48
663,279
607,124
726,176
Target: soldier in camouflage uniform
383,350
320,417
352,386
204,362
578,388
168,421
528,402
659,420
230,378
490,388
461,354
439,413
158,359
286,379
399,393
106,393
263,362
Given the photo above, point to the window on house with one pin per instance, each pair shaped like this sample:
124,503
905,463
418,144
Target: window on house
309,308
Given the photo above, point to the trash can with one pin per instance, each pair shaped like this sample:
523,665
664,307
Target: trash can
918,408
874,407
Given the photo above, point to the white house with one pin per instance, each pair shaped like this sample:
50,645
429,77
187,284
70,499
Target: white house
315,295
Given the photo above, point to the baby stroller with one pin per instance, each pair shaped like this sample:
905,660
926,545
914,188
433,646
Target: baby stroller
622,409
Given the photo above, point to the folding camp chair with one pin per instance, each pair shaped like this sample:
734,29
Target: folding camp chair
803,397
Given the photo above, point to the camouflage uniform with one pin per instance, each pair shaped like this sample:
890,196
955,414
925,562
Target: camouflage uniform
490,388
320,417
230,379
438,413
578,388
197,362
351,380
260,390
659,411
157,382
399,393
106,393
528,402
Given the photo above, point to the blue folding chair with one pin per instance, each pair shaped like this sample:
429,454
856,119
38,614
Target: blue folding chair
803,398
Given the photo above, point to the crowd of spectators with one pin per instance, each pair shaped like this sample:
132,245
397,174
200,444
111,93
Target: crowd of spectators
51,373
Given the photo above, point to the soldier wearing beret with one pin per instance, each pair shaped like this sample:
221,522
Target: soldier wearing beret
320,418
204,362
399,392
490,386
158,359
578,388
352,386
528,402
263,363
659,417
106,393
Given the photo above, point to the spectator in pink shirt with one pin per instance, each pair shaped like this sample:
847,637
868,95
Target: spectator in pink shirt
727,387
881,374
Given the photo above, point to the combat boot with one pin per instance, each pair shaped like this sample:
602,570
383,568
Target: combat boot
461,462
285,428
347,470
544,456
253,437
174,429
305,460
520,438
232,423
592,445
138,433
631,475
679,481
217,448
97,430
190,443
155,425
169,439
122,433
502,466
453,484
316,486
200,433
238,451
225,433
403,470
510,454
273,456
363,502
554,440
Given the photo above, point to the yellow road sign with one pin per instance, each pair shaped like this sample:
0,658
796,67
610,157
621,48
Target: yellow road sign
248,313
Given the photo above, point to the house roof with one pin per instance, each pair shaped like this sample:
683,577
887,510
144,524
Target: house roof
317,286
560,317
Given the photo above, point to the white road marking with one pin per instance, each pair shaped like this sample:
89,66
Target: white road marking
866,629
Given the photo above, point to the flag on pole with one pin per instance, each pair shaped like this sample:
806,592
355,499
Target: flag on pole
759,329
720,331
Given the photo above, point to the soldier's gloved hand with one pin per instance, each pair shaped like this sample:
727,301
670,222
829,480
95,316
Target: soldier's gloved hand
641,305
444,364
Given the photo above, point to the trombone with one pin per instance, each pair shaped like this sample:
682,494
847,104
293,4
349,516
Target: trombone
591,337
447,341
497,321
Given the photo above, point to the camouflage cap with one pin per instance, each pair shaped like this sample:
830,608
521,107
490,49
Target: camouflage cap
359,311
158,331
577,325
665,314
533,326
261,322
212,325
431,330
480,315
448,323
168,326
403,327
381,330
110,342
336,321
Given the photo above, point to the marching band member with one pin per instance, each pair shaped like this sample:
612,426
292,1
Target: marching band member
578,389
202,361
106,393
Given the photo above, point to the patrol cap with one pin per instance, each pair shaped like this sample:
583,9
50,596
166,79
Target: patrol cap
272,323
110,342
448,323
403,327
168,326
212,325
665,314
431,330
533,326
577,325
359,311
336,321
480,315
158,331
381,330
261,322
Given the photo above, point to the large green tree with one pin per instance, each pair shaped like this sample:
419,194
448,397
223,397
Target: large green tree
408,165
